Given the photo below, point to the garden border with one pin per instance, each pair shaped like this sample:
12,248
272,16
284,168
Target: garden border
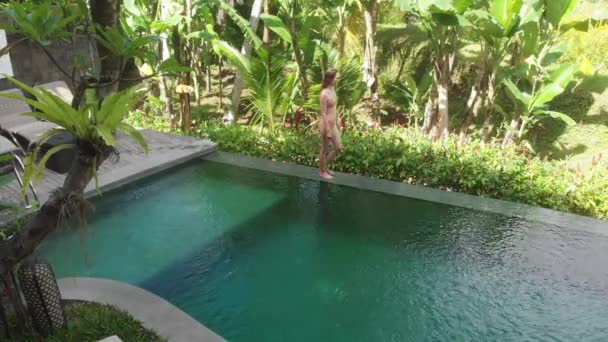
560,220
152,311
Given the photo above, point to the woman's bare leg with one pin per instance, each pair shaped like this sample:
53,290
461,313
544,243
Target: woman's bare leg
336,147
332,155
322,155
323,172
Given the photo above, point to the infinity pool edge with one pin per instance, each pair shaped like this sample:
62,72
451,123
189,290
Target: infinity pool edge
456,199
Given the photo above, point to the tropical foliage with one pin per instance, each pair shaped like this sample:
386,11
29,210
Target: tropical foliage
406,155
504,49
491,71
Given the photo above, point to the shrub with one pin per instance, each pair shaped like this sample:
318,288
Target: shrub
92,322
142,118
591,47
405,155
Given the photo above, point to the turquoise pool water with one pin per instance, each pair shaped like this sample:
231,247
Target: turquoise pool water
257,256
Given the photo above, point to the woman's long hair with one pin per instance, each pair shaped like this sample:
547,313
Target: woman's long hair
328,79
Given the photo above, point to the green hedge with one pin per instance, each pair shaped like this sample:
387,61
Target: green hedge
405,155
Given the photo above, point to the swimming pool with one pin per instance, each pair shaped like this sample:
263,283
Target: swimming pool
259,256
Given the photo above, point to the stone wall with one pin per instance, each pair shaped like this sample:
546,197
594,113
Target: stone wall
32,66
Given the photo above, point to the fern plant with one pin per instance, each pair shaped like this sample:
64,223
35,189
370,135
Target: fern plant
268,88
93,124
40,22
269,85
349,85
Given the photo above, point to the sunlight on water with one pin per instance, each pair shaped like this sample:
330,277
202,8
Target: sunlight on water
146,229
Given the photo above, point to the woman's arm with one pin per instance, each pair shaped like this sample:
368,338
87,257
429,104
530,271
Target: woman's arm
324,122
323,102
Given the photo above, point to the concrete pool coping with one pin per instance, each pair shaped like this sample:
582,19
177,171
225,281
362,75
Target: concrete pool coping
556,218
152,311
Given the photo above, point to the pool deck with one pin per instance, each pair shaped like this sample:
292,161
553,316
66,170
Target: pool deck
152,311
165,150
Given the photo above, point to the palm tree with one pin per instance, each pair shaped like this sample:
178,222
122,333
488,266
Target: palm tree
264,76
349,28
165,54
296,26
441,22
370,63
254,20
266,34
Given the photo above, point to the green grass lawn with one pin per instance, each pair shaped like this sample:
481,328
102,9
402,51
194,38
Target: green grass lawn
90,322
587,103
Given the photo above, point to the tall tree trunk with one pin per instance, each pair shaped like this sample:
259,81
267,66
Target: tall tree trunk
522,129
401,66
341,31
165,94
472,111
165,54
185,108
183,58
442,110
130,75
485,132
488,106
472,106
513,130
197,71
266,35
442,69
442,72
430,110
516,127
105,13
220,85
67,201
220,21
206,68
303,74
208,79
370,63
237,89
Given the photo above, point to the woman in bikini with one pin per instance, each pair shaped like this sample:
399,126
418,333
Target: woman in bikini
328,125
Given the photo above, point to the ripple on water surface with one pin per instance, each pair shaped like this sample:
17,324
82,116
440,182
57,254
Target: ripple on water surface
262,257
